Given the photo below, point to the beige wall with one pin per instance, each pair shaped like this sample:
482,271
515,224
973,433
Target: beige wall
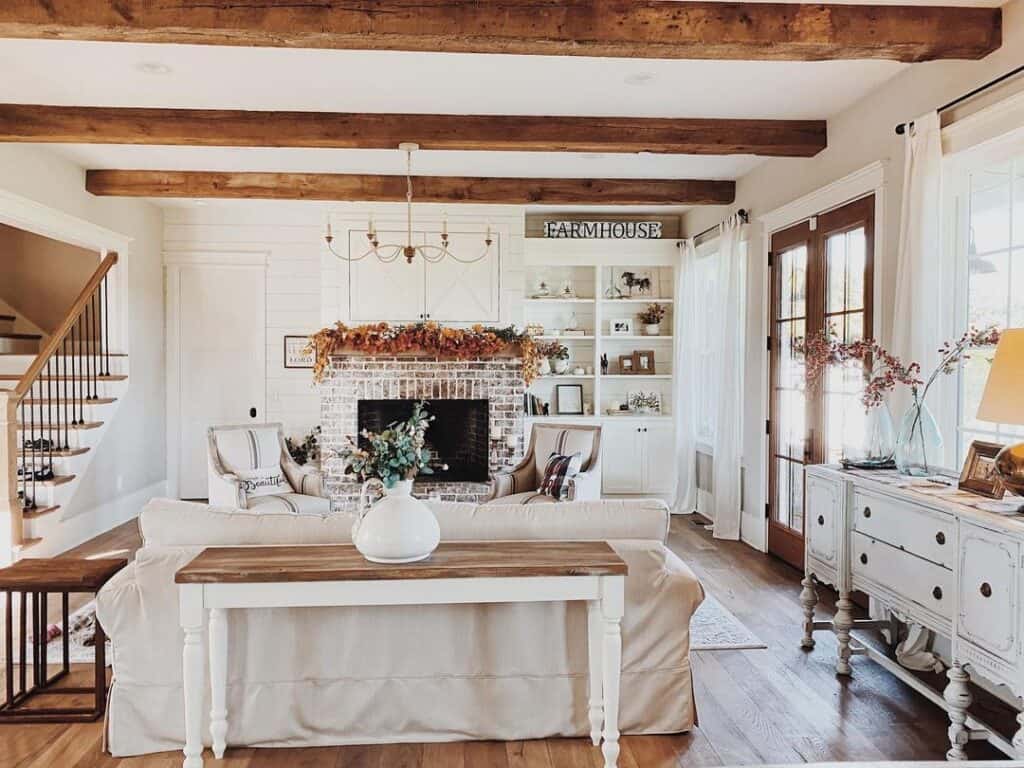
42,277
861,135
132,456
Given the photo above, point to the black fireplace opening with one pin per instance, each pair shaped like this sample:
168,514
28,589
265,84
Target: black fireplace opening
457,437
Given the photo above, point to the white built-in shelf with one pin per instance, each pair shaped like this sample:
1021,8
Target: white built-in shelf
637,301
599,416
564,338
559,301
637,376
554,376
638,337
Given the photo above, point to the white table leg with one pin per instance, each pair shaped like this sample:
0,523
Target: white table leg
218,680
191,614
595,642
612,605
958,699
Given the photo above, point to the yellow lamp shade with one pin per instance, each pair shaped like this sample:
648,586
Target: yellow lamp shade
1003,401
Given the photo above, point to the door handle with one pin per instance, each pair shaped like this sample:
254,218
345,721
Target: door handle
252,413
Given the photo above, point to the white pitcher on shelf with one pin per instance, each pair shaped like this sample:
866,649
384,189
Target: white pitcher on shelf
397,528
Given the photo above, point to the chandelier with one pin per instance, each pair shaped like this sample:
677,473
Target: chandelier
386,253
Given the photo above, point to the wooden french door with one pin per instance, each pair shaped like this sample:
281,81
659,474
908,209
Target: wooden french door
821,278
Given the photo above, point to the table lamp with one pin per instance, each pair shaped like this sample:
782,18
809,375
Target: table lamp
1003,403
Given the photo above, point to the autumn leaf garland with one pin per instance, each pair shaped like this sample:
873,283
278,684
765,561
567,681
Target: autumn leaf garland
431,338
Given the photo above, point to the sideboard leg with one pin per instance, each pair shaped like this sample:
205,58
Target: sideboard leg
809,600
958,699
595,652
1018,737
843,623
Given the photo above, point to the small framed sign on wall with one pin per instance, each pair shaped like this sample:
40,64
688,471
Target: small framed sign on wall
295,355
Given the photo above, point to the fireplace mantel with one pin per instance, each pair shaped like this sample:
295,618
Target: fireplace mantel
355,375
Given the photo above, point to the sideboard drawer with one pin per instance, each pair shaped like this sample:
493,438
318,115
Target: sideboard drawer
927,584
927,534
988,590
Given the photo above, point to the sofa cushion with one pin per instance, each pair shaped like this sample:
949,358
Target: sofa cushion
289,504
527,497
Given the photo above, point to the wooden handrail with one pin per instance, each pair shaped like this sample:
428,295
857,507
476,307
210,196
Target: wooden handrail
62,330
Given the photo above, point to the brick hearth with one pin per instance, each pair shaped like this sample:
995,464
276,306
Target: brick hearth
357,377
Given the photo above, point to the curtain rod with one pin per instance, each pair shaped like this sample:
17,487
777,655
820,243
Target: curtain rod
742,213
902,127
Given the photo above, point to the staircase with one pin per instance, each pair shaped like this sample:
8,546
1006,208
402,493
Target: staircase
60,393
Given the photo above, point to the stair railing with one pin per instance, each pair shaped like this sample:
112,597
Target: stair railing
51,396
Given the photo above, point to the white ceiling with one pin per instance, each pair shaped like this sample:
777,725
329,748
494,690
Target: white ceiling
115,74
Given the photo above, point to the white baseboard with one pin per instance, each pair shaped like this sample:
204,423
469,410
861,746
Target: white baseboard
91,523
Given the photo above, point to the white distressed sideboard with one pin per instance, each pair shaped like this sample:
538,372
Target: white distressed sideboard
925,558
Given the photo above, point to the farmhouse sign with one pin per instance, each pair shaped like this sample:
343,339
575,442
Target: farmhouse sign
611,230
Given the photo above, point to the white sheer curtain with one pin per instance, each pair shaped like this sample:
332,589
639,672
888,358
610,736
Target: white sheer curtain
727,307
918,321
685,398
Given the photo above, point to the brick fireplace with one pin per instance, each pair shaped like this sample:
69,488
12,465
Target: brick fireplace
357,385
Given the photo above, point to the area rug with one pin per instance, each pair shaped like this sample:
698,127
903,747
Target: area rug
715,628
81,635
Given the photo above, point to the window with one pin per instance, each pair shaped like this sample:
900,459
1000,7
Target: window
990,210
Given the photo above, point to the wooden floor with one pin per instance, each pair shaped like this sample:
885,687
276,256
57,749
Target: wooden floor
780,705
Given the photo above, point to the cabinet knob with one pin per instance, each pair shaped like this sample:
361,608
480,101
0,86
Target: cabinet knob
867,511
986,589
937,593
821,519
864,558
940,537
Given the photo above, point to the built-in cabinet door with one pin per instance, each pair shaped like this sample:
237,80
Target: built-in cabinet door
391,292
455,291
622,468
659,457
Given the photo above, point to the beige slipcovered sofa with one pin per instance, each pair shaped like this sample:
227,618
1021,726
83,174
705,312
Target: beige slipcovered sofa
305,677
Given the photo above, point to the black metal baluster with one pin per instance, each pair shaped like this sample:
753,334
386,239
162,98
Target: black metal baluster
106,324
49,410
32,438
71,380
86,394
94,340
64,382
23,479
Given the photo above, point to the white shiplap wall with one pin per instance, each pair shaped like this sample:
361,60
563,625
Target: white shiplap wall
307,287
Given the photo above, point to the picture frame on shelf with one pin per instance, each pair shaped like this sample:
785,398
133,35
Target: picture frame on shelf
295,355
569,399
641,401
979,474
626,365
620,326
643,362
636,283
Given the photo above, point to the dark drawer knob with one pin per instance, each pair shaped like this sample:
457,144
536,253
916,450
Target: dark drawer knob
821,519
864,558
867,511
937,593
986,589
940,537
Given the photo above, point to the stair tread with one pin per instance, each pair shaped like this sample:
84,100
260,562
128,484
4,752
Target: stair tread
58,453
35,336
53,482
12,318
27,543
83,401
100,377
46,427
34,512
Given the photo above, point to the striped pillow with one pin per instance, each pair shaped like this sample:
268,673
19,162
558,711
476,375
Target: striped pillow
557,474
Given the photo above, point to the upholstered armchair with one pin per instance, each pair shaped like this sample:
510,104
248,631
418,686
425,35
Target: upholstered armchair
519,485
250,468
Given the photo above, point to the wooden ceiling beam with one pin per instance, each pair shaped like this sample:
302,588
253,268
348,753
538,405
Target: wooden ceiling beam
391,189
238,128
662,29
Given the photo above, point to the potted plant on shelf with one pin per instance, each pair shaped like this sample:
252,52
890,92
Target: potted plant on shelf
552,355
651,317
397,528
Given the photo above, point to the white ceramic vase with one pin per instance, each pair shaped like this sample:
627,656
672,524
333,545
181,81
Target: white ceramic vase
398,528
561,366
544,367
653,329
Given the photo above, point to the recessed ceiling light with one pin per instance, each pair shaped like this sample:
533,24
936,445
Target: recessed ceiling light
153,68
639,78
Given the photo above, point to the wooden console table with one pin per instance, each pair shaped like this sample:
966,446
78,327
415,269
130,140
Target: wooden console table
224,578
927,556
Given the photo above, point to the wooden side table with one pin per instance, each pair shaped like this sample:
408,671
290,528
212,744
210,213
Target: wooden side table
239,578
36,578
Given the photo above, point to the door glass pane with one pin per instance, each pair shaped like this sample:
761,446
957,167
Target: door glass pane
845,253
793,283
789,494
791,402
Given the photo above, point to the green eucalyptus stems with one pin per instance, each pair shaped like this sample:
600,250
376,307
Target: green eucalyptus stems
397,453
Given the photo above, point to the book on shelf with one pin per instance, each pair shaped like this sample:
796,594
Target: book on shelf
534,406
